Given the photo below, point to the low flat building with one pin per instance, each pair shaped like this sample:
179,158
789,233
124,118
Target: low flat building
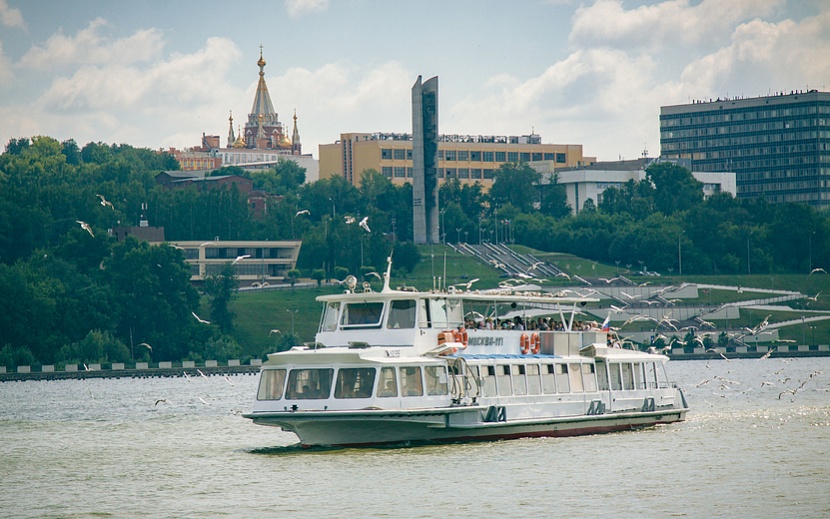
253,261
588,182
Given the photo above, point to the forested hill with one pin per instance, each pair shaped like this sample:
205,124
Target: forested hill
72,294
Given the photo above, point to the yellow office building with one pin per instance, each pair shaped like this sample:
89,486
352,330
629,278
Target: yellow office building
469,158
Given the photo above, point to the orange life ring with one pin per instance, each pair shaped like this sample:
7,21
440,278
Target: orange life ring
535,343
524,343
460,335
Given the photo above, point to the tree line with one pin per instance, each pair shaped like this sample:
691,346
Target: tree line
73,294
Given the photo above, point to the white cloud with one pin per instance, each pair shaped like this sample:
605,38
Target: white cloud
352,99
90,46
10,17
182,81
578,100
297,8
5,67
672,23
763,57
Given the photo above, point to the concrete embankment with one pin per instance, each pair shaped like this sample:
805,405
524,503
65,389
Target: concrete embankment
120,370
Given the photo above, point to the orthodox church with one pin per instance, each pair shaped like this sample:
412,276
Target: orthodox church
263,129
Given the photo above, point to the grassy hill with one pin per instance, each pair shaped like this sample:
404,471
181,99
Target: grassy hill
259,312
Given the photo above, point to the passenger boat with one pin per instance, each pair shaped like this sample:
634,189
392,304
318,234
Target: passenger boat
446,365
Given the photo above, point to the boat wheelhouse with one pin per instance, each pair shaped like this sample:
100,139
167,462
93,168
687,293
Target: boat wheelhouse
400,366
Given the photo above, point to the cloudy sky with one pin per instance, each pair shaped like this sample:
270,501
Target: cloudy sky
159,73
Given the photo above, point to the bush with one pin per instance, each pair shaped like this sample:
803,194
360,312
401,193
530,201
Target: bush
20,356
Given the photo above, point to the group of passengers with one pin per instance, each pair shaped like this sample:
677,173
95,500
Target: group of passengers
525,323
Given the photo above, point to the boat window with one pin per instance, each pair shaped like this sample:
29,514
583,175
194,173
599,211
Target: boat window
562,383
307,384
589,379
455,312
423,313
575,378
639,383
627,376
411,384
519,379
651,375
549,379
401,314
361,315
330,314
488,379
534,387
662,378
436,379
271,384
438,313
616,378
602,376
387,385
503,380
354,383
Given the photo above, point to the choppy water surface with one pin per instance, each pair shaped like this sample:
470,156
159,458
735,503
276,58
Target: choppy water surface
81,448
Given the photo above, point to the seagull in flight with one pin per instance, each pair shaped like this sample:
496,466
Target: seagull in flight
146,346
609,281
304,211
161,400
105,202
564,275
240,258
349,219
364,224
817,269
536,265
85,226
199,318
272,332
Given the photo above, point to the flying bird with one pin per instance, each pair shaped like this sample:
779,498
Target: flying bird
240,258
817,269
85,226
564,275
349,219
364,224
161,400
105,202
272,332
304,211
146,346
609,281
199,318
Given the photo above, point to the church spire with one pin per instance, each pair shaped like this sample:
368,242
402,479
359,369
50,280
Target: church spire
231,137
296,146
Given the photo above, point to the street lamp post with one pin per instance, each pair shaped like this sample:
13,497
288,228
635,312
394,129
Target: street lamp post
458,235
293,313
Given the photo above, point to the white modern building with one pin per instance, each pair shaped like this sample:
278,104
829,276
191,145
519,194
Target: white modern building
584,182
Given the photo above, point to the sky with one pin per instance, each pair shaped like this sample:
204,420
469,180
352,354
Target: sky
160,73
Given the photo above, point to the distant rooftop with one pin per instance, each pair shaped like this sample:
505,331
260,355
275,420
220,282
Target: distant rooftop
491,139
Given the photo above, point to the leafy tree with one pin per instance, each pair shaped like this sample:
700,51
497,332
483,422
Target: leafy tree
515,184
318,275
221,289
292,276
405,256
675,189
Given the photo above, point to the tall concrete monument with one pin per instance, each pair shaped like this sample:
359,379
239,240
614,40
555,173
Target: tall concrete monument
425,161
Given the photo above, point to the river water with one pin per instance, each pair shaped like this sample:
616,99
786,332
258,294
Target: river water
106,448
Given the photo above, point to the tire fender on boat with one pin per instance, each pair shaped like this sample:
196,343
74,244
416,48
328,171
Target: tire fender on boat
535,343
524,343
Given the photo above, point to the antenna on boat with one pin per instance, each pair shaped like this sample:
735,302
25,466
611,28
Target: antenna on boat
388,275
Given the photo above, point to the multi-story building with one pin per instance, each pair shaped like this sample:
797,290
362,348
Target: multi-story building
778,146
589,182
469,158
